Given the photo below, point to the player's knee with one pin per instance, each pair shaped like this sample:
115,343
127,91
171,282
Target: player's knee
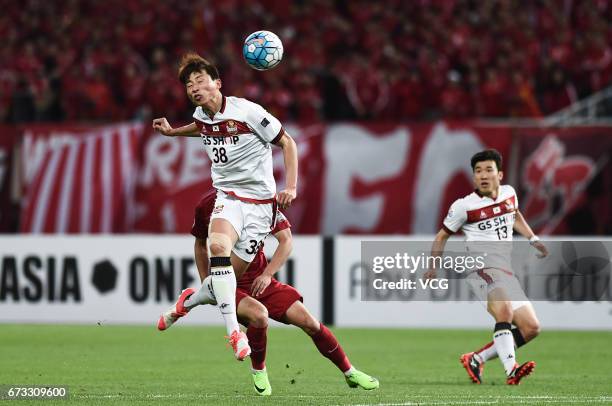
309,324
312,326
531,330
258,316
502,311
220,245
260,319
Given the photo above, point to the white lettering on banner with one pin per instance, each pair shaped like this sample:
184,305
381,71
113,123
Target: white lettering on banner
161,155
168,217
195,165
352,152
445,153
2,166
63,210
56,147
173,162
33,155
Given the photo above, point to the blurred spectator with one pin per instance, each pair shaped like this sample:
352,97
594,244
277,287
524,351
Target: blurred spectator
454,100
22,108
116,60
559,94
522,98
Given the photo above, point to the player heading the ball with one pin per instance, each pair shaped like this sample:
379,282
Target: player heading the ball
237,135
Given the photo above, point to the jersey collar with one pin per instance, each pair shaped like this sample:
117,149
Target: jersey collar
487,197
221,110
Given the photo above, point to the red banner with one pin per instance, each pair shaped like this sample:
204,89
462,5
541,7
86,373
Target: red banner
79,179
379,179
564,179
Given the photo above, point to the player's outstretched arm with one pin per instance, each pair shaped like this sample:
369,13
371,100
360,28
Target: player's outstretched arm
290,157
437,248
521,226
280,256
162,125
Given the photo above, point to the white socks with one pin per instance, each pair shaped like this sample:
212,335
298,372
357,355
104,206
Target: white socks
224,288
487,353
504,345
349,371
202,296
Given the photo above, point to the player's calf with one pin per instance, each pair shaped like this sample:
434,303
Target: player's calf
529,331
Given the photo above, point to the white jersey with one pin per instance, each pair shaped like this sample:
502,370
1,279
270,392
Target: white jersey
237,140
483,219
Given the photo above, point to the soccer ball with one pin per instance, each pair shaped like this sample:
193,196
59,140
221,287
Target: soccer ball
262,50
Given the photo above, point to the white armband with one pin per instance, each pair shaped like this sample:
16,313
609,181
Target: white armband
534,239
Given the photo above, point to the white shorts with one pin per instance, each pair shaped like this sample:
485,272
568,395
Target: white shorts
252,222
482,282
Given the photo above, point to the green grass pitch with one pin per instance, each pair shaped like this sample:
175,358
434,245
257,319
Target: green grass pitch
190,365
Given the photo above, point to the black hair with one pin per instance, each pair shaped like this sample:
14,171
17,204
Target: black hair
487,155
193,62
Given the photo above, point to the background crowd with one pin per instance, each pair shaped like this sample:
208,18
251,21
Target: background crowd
393,60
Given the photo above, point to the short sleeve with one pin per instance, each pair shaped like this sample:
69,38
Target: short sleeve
455,218
513,192
263,123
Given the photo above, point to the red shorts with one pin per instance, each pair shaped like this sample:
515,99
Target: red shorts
277,298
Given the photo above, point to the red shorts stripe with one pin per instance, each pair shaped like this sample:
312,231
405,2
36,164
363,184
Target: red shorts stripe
487,278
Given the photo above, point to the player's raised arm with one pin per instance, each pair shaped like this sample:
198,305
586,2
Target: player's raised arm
521,226
286,196
162,125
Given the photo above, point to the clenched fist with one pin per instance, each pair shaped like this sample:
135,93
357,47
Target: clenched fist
162,125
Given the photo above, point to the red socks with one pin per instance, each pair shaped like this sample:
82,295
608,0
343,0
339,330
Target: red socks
329,347
258,338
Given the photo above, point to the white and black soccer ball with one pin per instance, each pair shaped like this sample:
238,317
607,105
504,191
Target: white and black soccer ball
262,50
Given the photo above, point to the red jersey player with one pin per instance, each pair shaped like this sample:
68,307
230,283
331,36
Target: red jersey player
490,213
259,296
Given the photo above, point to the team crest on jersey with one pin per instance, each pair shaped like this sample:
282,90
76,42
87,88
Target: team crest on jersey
215,128
231,126
496,210
218,209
